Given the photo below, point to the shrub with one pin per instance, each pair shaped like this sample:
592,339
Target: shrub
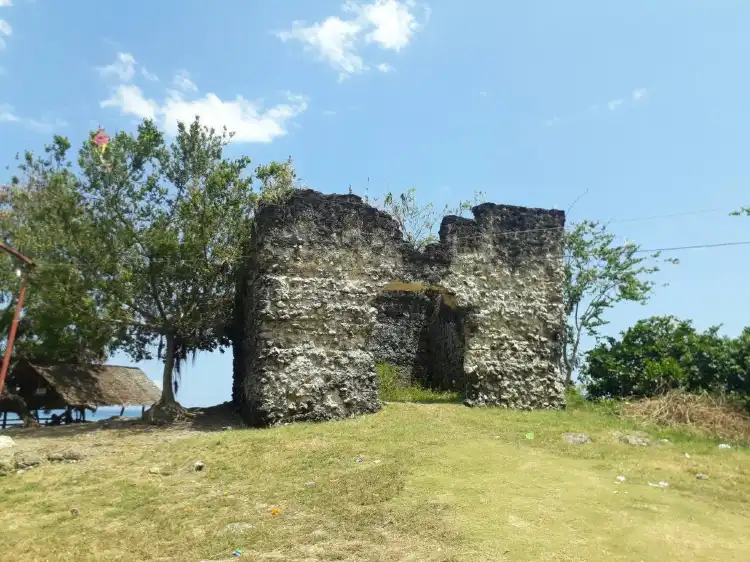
662,353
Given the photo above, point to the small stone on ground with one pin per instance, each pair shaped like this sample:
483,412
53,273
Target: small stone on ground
635,440
577,438
239,527
28,460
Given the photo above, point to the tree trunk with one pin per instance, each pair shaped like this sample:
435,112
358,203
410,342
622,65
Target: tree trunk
167,390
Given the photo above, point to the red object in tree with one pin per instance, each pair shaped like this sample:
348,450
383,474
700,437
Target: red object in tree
101,139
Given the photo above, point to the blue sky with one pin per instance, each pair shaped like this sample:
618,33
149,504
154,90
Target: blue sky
641,105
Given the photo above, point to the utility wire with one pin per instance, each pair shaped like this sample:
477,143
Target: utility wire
695,247
483,236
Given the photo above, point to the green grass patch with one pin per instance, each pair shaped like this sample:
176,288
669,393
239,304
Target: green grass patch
419,482
393,390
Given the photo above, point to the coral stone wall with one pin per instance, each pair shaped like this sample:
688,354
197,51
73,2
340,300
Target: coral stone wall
507,264
330,291
317,263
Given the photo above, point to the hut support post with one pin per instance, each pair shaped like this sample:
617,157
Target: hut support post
12,334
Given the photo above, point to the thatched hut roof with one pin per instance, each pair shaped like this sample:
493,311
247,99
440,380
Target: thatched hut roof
58,385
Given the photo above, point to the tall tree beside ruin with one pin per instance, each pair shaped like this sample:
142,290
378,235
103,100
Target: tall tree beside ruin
151,232
171,221
599,274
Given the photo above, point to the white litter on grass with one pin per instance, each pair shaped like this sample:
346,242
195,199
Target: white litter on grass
620,479
725,446
661,484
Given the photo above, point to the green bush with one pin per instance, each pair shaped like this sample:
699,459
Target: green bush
662,353
392,390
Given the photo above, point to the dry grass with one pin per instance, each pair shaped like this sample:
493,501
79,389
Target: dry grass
716,416
436,482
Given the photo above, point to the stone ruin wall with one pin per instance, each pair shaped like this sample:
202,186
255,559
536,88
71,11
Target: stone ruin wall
330,291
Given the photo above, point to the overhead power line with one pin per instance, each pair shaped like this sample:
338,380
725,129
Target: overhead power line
695,247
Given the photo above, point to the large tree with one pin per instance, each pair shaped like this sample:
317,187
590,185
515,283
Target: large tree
599,274
159,229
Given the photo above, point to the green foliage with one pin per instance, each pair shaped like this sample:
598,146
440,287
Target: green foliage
663,353
598,275
140,246
392,389
418,221
42,216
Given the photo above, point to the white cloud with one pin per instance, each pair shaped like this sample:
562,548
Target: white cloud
393,23
248,120
45,126
639,94
148,75
334,40
329,112
5,3
389,24
182,82
5,31
130,100
123,68
614,104
8,113
385,67
158,384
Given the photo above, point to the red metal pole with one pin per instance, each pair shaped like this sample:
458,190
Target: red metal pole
12,334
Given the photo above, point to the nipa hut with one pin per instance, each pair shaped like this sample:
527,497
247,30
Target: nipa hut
68,386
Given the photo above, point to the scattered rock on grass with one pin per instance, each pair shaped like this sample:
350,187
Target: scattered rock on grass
620,479
28,460
661,484
701,476
71,455
74,512
199,466
310,484
6,442
7,465
635,440
577,438
154,470
725,446
238,528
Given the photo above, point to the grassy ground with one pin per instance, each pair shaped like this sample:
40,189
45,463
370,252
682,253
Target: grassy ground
436,482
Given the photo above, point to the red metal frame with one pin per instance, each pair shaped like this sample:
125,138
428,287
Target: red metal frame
16,314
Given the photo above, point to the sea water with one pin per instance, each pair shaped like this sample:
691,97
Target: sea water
101,413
